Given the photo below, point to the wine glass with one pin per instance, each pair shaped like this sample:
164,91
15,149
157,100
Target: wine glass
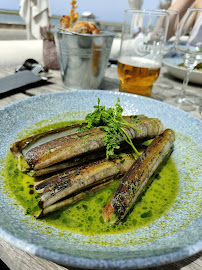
189,48
172,32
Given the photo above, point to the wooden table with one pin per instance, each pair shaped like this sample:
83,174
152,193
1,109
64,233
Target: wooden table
16,259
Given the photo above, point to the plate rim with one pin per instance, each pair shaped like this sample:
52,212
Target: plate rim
179,72
177,67
69,260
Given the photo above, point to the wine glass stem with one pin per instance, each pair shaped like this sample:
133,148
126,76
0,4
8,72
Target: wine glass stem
185,83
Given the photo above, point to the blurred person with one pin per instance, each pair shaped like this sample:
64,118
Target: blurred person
196,22
182,5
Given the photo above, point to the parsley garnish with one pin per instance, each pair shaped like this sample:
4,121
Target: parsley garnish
112,122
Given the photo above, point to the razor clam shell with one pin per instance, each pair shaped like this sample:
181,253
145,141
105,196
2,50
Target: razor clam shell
74,180
138,176
83,142
74,198
24,145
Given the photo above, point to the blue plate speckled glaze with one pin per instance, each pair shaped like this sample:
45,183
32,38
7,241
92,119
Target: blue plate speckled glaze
175,235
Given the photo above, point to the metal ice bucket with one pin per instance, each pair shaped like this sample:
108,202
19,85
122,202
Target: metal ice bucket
83,58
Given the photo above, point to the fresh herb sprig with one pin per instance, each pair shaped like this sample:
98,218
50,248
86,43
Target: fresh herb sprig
112,122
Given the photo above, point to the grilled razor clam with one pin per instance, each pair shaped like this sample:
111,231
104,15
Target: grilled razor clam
68,164
21,147
72,199
74,145
137,177
77,179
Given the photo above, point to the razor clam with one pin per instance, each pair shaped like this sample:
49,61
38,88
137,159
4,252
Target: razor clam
70,200
68,163
137,177
41,155
24,145
75,180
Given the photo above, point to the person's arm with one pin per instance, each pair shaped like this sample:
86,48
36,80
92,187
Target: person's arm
197,4
181,6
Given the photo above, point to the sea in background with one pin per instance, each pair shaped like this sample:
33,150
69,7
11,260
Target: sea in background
14,17
12,26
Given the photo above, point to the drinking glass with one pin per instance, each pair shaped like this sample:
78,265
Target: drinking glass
189,48
169,51
172,33
141,52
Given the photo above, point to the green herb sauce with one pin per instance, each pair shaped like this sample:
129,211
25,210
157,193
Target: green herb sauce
85,216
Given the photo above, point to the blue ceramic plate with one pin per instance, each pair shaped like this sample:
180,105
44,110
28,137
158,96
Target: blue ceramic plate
175,235
172,67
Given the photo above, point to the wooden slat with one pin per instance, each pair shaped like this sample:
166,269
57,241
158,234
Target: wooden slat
11,99
54,84
17,259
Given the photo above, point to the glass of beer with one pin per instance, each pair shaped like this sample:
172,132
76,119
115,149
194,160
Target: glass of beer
142,48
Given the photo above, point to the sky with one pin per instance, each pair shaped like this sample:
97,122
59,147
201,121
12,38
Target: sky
104,10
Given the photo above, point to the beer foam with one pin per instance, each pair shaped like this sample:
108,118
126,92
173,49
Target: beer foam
139,62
